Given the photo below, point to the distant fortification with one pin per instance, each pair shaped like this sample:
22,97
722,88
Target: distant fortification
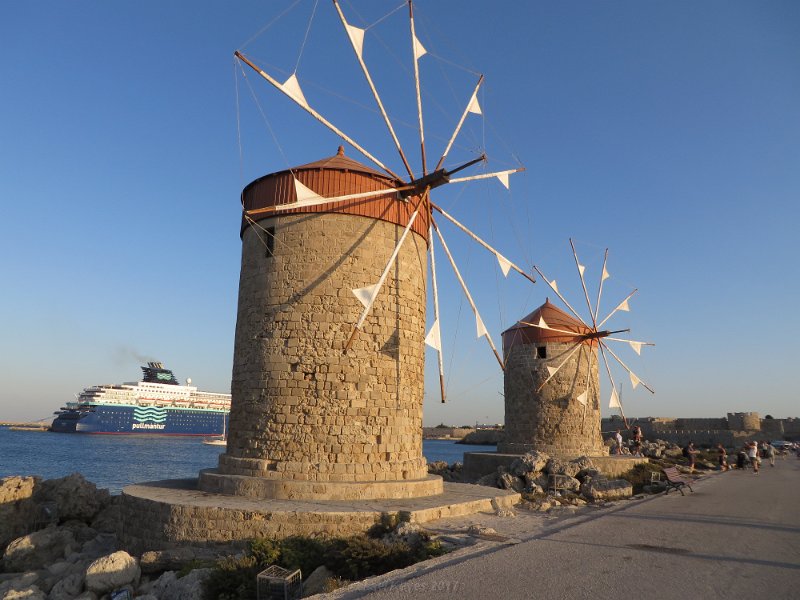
732,430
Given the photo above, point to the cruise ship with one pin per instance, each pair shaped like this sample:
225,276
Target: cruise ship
157,405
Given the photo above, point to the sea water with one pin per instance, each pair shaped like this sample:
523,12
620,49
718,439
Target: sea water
114,461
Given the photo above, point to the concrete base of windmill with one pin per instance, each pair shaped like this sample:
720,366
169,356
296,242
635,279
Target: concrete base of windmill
263,488
168,514
478,464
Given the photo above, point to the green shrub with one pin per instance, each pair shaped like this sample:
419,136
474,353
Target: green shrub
233,578
302,553
361,556
351,558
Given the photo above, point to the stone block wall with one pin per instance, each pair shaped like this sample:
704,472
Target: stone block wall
744,421
551,420
302,409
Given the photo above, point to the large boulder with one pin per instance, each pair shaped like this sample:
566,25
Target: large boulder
73,497
556,466
530,462
38,549
507,481
17,508
111,572
602,489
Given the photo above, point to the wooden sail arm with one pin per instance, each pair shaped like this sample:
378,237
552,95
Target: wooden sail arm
479,322
301,102
467,110
581,269
353,34
475,237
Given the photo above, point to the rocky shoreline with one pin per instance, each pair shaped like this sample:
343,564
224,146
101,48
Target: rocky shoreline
59,541
59,537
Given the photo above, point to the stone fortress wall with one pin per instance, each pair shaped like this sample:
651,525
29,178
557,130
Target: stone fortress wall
731,431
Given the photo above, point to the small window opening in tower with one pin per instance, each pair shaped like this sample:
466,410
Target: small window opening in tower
270,241
541,352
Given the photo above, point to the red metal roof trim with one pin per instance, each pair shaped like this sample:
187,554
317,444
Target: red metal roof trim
334,176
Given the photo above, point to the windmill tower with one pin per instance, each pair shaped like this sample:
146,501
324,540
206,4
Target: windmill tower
561,418
308,419
323,408
551,383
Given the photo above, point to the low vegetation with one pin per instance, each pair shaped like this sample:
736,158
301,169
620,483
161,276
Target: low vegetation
347,558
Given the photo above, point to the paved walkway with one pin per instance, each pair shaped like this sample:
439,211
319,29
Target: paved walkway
737,536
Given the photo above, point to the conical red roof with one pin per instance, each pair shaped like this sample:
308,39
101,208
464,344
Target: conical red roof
522,333
342,163
332,177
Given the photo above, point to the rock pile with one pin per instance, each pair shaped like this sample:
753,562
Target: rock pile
537,474
448,473
58,540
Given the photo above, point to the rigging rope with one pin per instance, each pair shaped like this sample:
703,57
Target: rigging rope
270,24
305,38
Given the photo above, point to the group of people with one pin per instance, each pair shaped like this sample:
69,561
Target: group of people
751,453
636,438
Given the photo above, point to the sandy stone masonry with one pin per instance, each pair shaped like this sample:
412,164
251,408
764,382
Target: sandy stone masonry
551,420
303,410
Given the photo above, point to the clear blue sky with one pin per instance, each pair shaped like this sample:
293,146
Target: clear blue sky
666,131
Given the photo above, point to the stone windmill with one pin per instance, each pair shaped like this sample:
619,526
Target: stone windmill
552,389
329,353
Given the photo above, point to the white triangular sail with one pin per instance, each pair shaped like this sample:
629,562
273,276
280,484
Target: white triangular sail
636,346
357,38
503,177
474,107
480,328
305,194
582,269
292,88
605,274
552,370
614,400
542,323
621,306
553,285
582,397
505,264
434,337
634,380
365,294
419,49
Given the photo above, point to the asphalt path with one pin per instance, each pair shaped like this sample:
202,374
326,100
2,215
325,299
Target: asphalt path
737,536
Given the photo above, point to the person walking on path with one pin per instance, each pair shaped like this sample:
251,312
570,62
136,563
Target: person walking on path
752,454
618,439
769,452
723,457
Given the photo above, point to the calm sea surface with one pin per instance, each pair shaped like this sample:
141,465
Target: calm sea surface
113,462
